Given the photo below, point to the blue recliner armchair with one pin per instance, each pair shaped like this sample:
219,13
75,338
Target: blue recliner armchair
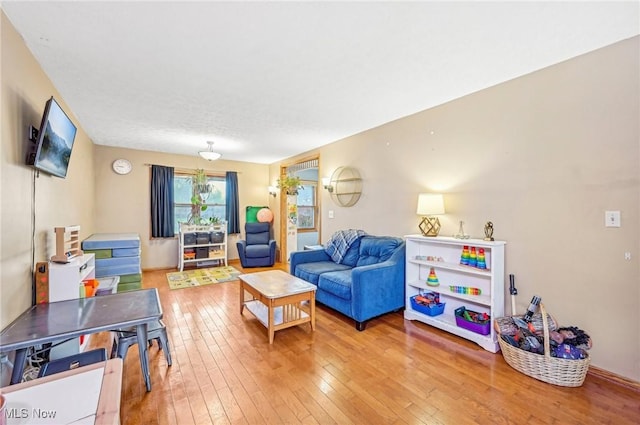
257,249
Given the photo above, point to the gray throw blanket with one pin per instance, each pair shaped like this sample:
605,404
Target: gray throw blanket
339,243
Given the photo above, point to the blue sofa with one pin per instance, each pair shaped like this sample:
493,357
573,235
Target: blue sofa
367,282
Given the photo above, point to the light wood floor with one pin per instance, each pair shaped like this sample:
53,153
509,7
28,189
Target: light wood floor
395,372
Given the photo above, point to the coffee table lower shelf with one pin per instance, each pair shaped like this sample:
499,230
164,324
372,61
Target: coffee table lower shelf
261,312
284,316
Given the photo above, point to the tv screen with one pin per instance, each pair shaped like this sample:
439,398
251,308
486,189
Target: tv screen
55,140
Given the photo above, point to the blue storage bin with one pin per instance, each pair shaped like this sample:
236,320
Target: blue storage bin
429,310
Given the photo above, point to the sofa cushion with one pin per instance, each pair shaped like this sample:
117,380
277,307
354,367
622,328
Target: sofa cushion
257,251
337,283
375,250
261,238
311,271
351,257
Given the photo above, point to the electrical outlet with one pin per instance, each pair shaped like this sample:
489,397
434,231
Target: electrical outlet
627,256
612,218
33,133
330,213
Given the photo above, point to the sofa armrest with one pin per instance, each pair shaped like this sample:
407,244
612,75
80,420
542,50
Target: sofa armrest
272,250
242,246
378,288
307,256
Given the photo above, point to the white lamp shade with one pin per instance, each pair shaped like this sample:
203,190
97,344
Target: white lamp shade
430,204
209,156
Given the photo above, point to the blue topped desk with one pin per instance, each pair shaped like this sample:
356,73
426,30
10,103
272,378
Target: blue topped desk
45,323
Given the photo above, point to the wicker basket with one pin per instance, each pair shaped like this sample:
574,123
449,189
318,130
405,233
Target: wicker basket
553,370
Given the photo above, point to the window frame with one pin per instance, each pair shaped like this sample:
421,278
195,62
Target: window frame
314,207
181,205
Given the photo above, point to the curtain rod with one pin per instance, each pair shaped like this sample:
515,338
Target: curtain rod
189,170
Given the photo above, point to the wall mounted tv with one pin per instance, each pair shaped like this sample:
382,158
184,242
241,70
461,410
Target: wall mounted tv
55,140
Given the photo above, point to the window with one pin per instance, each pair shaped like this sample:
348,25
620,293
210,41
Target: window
183,192
307,209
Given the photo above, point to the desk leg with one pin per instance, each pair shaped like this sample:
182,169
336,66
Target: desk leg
18,366
141,331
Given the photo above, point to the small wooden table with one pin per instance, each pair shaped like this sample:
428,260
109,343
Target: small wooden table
86,395
279,300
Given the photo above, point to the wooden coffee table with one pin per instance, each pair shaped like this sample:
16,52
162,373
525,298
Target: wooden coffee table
279,300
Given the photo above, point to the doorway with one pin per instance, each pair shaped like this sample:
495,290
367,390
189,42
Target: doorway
305,231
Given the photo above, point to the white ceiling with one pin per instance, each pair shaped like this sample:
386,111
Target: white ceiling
268,80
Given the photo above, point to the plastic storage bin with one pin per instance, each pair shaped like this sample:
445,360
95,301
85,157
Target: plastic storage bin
189,238
202,238
202,252
482,327
429,310
108,285
217,237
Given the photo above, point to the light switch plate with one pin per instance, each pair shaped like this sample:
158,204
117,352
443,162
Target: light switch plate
612,218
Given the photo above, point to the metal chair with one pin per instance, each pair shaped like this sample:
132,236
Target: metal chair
125,338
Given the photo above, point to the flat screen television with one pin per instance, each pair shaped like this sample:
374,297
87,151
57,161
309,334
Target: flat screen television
55,140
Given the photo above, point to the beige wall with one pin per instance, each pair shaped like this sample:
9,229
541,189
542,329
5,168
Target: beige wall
30,209
122,202
542,157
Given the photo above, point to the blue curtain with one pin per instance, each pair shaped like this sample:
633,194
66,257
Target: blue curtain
232,209
162,213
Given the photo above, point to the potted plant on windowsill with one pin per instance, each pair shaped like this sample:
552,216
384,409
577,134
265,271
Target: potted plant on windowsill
290,184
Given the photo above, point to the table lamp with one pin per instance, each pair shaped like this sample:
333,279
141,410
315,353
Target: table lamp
430,204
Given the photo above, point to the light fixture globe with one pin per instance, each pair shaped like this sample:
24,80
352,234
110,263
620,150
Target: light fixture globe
209,155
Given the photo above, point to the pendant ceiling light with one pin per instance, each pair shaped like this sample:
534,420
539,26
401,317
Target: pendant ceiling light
210,155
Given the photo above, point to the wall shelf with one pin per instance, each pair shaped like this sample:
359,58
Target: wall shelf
347,186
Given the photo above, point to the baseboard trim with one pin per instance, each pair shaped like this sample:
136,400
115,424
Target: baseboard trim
612,377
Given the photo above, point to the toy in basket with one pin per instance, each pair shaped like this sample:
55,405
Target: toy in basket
564,364
428,303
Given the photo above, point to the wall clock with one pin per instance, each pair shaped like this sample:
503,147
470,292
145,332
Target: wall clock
121,166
